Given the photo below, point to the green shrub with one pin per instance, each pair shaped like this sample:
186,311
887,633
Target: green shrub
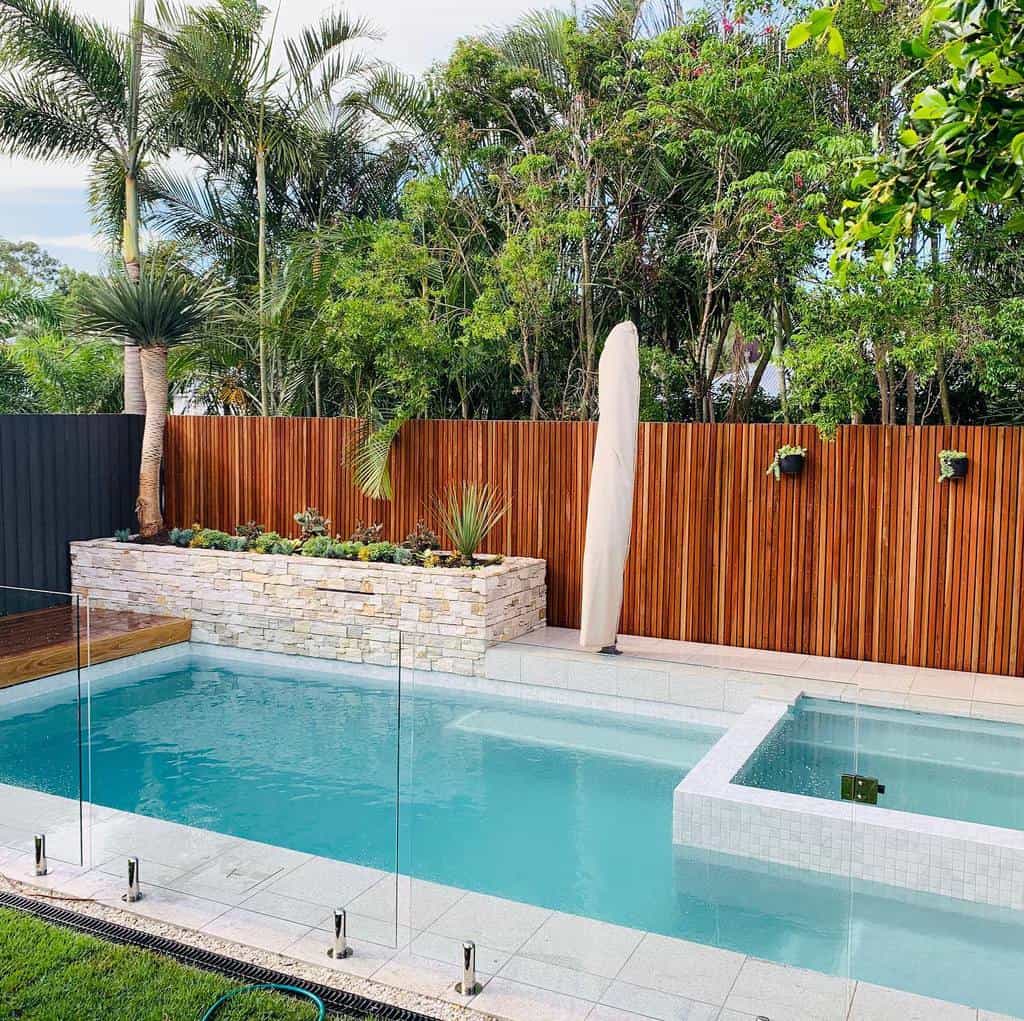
403,556
345,550
210,538
237,544
286,546
317,546
181,536
266,542
381,552
123,535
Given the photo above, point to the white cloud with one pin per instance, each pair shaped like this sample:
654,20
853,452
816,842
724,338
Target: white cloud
80,242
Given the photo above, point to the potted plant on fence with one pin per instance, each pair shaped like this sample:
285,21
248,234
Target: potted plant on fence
788,460
952,464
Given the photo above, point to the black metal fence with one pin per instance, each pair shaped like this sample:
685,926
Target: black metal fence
62,477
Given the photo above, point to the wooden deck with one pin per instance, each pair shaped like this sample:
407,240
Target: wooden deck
43,642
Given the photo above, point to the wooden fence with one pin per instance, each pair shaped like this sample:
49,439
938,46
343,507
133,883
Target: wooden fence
865,555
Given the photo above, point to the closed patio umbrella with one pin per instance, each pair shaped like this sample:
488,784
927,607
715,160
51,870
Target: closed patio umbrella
610,508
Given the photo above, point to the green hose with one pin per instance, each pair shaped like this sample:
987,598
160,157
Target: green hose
267,985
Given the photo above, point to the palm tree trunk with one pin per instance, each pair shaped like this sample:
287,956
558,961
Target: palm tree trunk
134,398
261,199
154,380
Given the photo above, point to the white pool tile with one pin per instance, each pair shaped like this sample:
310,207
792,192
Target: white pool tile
653,1004
256,930
505,925
423,975
519,1002
419,903
169,906
366,958
875,1003
795,994
643,682
583,944
235,873
325,881
448,951
555,978
289,908
684,969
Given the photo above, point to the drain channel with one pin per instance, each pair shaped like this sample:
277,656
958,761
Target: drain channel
337,1001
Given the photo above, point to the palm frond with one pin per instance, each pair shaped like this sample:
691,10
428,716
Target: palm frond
371,458
163,309
86,59
38,122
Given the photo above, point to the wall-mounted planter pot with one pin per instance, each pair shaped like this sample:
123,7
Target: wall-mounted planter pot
952,465
791,464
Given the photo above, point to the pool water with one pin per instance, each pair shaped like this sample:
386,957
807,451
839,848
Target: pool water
568,810
952,767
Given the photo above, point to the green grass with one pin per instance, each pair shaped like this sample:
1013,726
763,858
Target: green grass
50,974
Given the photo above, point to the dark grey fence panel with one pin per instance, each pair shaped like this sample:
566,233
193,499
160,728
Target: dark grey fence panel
62,477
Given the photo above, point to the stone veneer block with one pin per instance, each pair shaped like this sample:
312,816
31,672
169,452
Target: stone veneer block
330,609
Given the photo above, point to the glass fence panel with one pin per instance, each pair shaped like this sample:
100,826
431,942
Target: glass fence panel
588,841
938,906
43,717
257,790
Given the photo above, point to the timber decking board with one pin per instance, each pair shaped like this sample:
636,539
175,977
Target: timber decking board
38,643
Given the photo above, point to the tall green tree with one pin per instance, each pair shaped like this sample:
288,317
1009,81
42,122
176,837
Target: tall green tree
233,105
74,89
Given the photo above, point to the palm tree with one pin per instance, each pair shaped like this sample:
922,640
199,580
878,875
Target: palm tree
74,89
159,311
235,106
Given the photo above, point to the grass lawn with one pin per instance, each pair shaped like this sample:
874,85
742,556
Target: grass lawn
50,974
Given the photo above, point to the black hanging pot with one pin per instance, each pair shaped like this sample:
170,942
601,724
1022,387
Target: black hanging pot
791,464
958,467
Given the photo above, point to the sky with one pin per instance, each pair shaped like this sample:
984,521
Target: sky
46,203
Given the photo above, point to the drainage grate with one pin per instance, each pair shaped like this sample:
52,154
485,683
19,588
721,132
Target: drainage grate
337,1001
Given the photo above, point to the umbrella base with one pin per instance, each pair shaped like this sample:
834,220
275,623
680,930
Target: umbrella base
610,650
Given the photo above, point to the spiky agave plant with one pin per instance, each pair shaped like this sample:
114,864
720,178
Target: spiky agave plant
163,309
468,514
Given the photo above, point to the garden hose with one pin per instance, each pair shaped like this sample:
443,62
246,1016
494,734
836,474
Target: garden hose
267,985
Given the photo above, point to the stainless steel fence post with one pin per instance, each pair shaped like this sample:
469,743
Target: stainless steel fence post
134,889
341,949
469,985
40,854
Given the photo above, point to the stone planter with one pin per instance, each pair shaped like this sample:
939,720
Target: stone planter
332,609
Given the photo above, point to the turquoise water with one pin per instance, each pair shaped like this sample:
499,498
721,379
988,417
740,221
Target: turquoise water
568,810
952,767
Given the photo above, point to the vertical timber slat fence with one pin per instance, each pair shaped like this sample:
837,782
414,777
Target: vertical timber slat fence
865,555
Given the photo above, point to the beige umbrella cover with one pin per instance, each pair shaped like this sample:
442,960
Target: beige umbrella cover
610,509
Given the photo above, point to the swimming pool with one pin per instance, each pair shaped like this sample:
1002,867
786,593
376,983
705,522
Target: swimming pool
952,767
566,809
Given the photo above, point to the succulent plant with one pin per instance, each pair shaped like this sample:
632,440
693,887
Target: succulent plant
317,546
123,535
312,523
367,534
